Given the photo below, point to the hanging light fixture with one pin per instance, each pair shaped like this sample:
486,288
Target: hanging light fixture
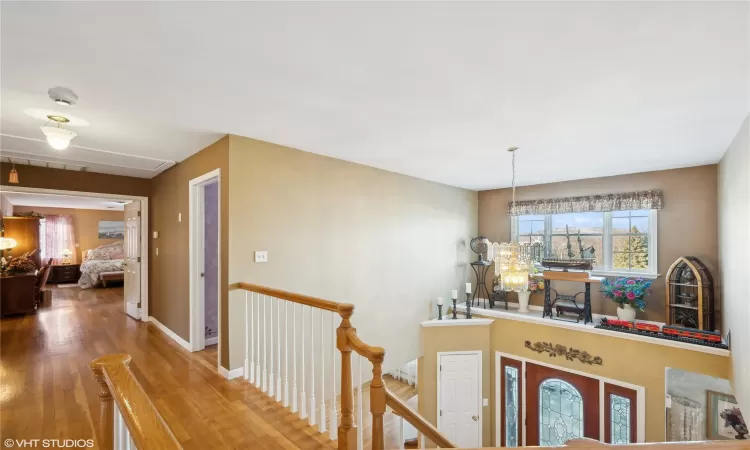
13,178
58,138
513,261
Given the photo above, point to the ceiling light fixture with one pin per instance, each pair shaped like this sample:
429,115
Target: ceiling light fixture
62,96
13,178
58,138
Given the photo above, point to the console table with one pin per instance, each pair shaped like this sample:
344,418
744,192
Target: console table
567,303
17,293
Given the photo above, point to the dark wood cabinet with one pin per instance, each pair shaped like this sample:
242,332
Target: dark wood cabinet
17,294
68,273
25,230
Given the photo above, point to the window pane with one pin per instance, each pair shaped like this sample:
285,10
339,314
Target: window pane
537,227
620,225
621,260
639,261
621,243
588,247
511,406
639,225
524,227
560,412
585,223
620,213
620,419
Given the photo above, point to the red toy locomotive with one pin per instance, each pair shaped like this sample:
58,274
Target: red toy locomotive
689,335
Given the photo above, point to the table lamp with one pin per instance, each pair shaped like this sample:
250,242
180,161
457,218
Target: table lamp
66,254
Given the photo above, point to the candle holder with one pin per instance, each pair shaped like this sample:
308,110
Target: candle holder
468,306
440,312
454,309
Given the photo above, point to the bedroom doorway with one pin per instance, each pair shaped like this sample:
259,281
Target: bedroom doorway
205,266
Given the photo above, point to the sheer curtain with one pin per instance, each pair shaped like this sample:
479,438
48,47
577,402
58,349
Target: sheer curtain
58,236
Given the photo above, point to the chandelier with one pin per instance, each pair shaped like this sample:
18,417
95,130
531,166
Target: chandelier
513,261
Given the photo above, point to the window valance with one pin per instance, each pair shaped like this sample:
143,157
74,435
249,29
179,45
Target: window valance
589,203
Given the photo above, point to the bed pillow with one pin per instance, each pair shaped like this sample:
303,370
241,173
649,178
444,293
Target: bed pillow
104,253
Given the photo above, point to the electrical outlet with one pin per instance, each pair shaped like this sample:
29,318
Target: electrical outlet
261,256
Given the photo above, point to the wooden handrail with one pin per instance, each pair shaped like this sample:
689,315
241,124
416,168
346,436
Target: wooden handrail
292,297
586,443
146,426
417,421
370,352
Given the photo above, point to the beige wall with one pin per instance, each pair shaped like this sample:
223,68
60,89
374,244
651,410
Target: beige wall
85,224
453,339
387,243
170,270
686,225
635,362
734,223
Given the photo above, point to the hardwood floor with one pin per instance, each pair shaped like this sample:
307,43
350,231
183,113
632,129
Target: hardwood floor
46,389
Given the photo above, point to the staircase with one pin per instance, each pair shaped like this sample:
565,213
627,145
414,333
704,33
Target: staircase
357,419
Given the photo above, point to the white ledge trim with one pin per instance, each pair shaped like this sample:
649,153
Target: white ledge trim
456,322
535,317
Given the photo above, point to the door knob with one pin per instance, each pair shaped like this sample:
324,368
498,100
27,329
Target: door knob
474,418
202,275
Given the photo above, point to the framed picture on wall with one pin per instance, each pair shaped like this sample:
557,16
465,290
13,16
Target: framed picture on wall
724,417
111,229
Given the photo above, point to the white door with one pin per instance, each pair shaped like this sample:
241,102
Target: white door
460,397
133,259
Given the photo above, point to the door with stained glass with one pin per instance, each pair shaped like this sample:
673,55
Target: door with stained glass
560,406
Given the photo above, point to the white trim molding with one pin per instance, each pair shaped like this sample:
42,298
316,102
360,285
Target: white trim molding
456,322
174,336
231,374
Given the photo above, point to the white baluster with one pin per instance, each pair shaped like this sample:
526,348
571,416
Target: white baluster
286,354
265,345
303,397
334,428
121,434
257,342
279,393
400,432
360,421
246,370
294,358
322,425
312,369
271,378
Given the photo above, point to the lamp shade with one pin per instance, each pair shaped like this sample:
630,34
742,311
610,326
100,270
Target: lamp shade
7,243
58,138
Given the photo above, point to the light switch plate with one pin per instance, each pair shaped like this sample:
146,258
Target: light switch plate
485,402
179,217
261,256
156,234
157,251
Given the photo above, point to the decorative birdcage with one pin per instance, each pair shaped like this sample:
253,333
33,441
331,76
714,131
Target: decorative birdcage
690,294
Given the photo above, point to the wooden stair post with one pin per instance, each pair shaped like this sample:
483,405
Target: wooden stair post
377,400
347,430
106,410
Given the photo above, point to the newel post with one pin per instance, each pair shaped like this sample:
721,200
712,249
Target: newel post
106,410
347,431
377,398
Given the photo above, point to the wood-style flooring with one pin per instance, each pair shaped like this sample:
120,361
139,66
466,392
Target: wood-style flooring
46,389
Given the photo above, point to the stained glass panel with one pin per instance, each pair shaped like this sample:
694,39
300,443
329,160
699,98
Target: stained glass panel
560,412
620,418
511,406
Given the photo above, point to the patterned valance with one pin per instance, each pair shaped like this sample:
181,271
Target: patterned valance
589,203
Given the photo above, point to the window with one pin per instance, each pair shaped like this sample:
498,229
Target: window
619,242
620,410
560,412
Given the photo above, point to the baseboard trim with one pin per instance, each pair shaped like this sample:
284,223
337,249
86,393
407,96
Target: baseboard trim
230,374
212,341
182,342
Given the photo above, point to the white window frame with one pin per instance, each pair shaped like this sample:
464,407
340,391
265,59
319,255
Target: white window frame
608,270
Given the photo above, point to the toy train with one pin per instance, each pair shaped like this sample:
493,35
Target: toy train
689,335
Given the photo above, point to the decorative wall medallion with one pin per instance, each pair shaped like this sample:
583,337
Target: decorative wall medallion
555,350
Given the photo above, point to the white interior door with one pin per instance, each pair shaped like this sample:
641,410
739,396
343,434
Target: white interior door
133,259
460,397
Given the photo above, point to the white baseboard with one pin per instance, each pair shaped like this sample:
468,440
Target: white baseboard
183,343
211,341
230,374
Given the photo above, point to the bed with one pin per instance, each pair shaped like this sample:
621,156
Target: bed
102,264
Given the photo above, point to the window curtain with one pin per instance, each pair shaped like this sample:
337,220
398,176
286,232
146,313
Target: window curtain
589,203
58,236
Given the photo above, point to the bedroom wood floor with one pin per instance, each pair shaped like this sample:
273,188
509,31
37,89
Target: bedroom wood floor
46,389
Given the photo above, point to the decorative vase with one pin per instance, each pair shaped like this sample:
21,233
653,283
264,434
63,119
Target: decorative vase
523,301
626,312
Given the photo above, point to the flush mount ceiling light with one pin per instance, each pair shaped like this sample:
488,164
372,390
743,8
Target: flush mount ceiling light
62,96
58,138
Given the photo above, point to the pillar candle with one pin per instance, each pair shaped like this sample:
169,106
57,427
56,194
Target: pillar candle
454,294
440,301
468,288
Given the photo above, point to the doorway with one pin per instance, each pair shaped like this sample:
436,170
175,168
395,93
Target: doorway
460,397
205,264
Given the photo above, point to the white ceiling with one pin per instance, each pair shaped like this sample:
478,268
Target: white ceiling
62,201
437,90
